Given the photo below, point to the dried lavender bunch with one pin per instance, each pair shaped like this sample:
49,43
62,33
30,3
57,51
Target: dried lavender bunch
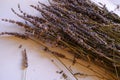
90,32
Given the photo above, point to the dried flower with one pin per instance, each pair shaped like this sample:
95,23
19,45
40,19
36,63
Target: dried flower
79,25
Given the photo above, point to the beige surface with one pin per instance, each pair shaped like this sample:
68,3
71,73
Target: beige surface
40,63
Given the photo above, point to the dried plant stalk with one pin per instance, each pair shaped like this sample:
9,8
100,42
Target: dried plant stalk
25,59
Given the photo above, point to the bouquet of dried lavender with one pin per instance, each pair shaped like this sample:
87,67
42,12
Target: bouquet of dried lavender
88,31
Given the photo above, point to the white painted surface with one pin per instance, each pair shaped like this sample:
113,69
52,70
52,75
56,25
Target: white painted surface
40,65
110,4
